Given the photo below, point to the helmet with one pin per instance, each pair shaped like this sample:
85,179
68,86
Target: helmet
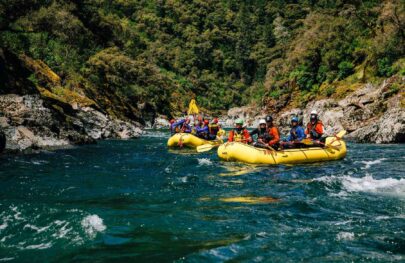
206,122
239,121
269,118
314,112
262,121
215,120
294,119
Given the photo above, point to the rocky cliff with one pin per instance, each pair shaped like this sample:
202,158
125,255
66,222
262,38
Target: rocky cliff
372,113
37,111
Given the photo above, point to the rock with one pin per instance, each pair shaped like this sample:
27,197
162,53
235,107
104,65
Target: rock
370,114
28,124
248,113
161,122
389,128
100,126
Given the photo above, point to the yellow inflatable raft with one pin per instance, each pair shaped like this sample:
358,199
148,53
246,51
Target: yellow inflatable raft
334,149
188,140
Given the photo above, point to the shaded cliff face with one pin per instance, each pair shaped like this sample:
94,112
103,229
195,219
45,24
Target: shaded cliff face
14,76
373,113
38,112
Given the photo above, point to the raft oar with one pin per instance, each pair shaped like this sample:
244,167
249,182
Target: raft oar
206,147
338,136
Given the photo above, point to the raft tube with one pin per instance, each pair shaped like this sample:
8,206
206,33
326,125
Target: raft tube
335,149
188,140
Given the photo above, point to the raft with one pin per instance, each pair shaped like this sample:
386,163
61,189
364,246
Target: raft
335,149
188,140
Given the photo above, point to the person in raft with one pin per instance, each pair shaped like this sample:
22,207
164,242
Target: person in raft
171,126
214,128
182,126
274,135
239,134
314,129
262,136
296,135
203,131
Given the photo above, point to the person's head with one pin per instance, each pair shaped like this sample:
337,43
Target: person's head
172,121
294,121
206,122
215,120
314,116
269,120
239,124
262,124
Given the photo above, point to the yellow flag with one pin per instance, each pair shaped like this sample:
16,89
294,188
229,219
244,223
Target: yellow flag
192,108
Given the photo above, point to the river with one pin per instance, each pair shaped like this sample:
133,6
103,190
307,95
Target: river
138,201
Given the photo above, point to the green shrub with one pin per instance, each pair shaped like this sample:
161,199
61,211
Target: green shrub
384,67
346,69
330,90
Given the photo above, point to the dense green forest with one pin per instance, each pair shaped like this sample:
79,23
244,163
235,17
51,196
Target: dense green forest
223,52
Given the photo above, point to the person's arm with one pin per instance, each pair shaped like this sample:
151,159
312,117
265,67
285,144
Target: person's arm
307,130
230,136
300,133
276,138
180,122
247,136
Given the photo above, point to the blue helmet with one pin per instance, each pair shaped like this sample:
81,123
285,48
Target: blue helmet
294,119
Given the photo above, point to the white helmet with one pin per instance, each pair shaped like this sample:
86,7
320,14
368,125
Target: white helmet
314,112
262,121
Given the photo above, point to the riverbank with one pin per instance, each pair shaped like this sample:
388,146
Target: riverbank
372,113
38,112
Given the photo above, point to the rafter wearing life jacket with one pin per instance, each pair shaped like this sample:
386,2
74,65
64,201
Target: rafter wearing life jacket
214,127
239,134
203,131
297,133
182,126
261,132
314,127
273,132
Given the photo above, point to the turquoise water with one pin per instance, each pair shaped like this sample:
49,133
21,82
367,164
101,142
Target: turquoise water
137,201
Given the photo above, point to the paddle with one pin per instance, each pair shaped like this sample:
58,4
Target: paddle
339,135
206,147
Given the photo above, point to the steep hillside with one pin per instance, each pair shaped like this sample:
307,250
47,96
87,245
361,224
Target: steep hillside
127,61
225,53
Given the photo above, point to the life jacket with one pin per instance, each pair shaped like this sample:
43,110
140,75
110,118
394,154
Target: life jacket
238,137
315,131
214,128
242,136
274,135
